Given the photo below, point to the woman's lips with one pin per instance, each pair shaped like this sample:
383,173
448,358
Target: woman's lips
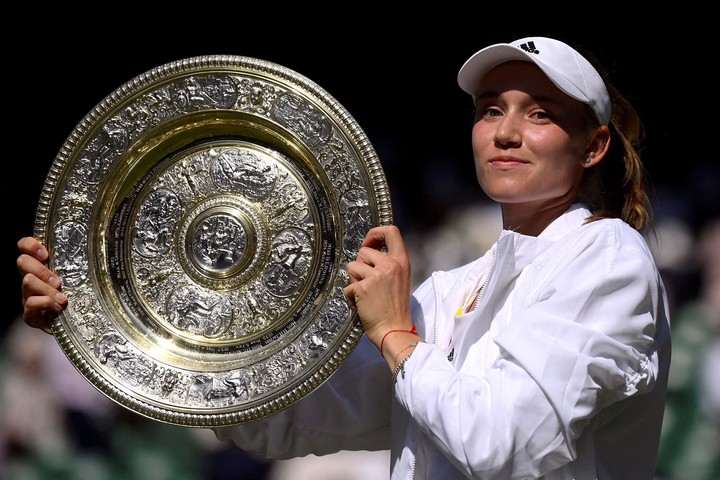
507,162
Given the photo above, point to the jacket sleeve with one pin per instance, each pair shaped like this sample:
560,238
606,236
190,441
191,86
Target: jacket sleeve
577,336
350,411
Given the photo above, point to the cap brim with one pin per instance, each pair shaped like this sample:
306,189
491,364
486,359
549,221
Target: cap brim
483,61
477,66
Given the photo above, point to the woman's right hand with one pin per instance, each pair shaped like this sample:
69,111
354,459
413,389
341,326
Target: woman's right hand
41,296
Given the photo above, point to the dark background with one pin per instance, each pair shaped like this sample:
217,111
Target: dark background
397,78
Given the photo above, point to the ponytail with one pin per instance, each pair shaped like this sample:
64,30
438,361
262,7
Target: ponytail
617,187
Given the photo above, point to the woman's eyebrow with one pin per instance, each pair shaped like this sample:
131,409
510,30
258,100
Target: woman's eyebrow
544,99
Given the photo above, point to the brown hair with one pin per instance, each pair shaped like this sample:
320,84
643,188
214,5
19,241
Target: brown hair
617,186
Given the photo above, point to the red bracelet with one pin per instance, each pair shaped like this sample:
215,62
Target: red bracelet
413,330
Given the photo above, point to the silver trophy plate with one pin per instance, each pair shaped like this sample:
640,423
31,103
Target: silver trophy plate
201,217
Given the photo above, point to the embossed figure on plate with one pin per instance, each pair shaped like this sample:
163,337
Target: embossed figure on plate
72,262
201,92
199,312
152,234
219,242
290,257
244,172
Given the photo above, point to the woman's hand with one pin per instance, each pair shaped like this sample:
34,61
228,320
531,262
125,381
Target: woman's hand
380,283
41,296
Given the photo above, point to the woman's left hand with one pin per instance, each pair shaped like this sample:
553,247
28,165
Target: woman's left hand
379,286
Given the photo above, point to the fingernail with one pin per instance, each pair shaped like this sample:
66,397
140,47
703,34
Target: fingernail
42,254
54,281
60,298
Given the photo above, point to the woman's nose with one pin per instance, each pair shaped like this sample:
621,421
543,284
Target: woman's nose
508,131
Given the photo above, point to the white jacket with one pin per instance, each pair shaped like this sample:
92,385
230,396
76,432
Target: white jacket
559,373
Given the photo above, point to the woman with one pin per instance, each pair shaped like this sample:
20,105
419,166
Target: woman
546,357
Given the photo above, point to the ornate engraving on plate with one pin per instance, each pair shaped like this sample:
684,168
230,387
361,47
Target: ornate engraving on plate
201,217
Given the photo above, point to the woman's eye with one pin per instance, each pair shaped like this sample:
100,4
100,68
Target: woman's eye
489,112
540,115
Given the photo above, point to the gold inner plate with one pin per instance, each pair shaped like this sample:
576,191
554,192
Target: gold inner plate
201,218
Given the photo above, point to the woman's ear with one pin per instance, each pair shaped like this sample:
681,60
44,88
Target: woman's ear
598,147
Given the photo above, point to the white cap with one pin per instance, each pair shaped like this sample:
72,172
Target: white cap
563,65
